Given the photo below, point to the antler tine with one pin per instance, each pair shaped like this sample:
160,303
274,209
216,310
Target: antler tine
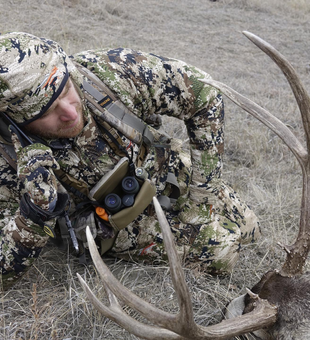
150,312
300,93
115,312
186,315
265,117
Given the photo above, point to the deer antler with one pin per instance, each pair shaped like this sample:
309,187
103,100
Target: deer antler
296,253
168,326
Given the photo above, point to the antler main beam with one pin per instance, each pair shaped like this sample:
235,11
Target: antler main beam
298,252
300,93
265,117
168,326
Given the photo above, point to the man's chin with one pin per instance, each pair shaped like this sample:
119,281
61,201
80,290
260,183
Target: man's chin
62,132
70,133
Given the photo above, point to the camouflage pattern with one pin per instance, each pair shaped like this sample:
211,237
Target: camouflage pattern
209,221
32,71
33,162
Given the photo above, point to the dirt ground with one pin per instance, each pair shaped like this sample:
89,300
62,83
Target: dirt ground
49,303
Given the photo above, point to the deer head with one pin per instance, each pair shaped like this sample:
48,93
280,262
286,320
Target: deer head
275,299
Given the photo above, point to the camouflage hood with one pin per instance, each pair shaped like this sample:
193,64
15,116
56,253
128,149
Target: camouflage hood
33,72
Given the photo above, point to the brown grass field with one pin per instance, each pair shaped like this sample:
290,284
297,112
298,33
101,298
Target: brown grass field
48,303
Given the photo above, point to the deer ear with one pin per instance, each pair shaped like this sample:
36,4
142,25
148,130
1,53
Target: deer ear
235,307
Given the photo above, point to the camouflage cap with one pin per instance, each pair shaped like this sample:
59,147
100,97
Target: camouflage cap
33,72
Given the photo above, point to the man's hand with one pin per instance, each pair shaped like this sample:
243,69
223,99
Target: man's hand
34,167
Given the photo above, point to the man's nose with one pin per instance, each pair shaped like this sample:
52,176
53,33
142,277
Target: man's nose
67,112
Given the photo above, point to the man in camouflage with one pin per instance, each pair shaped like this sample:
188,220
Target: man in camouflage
41,90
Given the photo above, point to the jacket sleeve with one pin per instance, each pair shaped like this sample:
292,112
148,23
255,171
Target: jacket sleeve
149,84
21,241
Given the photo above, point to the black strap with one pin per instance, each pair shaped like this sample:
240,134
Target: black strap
8,158
39,216
99,95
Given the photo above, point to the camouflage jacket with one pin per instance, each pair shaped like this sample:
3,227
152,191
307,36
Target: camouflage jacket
147,84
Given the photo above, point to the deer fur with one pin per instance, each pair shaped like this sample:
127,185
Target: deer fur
291,295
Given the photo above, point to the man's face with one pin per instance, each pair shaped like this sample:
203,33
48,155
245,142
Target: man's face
64,119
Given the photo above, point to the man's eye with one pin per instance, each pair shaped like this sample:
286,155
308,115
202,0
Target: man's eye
46,113
68,88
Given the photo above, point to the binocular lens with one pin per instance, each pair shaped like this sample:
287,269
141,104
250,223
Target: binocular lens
113,202
130,185
128,200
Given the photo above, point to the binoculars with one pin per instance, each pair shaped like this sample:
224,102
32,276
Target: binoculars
130,187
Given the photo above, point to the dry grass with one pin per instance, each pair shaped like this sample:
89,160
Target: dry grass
48,303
